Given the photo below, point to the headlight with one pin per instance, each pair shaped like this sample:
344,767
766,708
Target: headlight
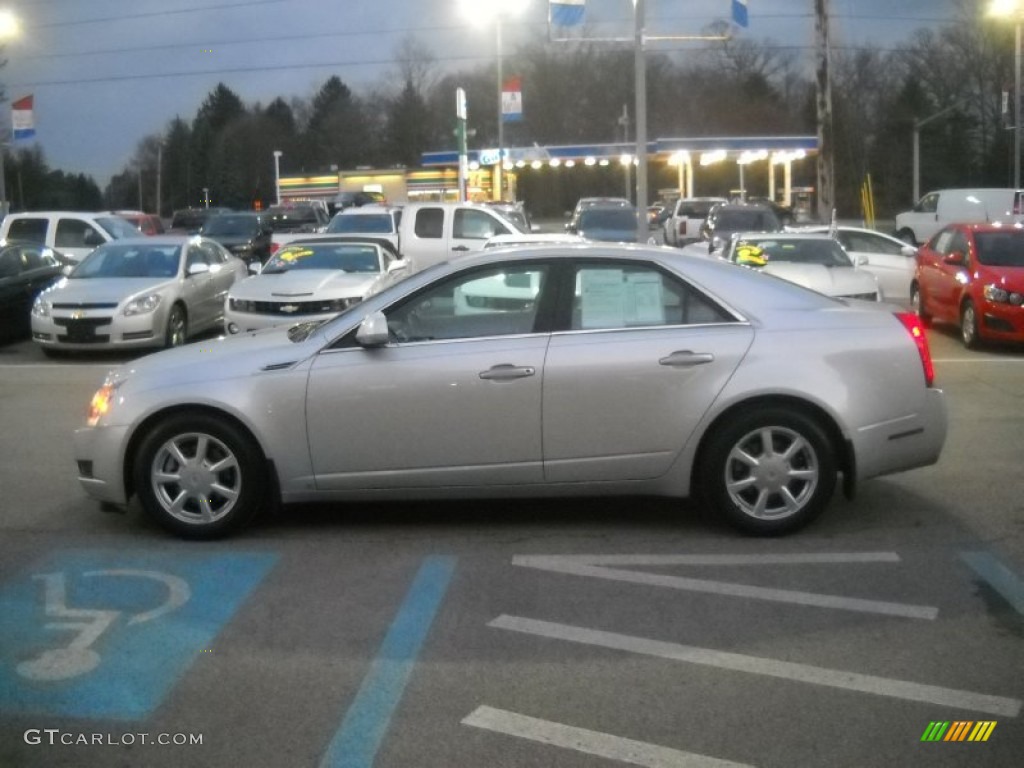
102,401
41,307
242,305
142,305
996,294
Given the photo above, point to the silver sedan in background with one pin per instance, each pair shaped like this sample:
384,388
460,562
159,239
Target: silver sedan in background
593,369
142,292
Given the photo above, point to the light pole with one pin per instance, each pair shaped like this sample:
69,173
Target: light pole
479,12
1013,9
9,28
277,174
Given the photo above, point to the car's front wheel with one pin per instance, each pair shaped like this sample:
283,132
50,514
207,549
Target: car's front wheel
199,476
177,327
969,325
769,471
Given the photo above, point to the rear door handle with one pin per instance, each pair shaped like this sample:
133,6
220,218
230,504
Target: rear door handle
507,372
460,248
686,359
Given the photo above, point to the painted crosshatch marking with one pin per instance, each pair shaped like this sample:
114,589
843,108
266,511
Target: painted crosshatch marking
106,634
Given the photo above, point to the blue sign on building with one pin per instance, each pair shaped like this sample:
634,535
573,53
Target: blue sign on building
106,634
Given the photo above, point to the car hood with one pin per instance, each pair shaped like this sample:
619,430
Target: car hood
304,284
104,290
217,359
831,281
1008,278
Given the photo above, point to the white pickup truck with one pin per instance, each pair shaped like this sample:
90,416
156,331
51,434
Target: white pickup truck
434,232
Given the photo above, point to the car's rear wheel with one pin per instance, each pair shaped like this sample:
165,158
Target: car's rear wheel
907,236
199,476
769,471
917,304
177,327
969,325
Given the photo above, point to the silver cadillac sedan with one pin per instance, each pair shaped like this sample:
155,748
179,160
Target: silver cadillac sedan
143,292
549,370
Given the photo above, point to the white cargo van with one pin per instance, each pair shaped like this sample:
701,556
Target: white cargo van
947,206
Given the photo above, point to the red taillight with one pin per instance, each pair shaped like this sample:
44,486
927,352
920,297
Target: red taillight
274,247
916,330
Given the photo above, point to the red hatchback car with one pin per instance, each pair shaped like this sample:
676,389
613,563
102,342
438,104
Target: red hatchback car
972,275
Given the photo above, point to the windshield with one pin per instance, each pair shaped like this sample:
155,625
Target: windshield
343,257
117,227
757,253
138,260
230,225
1000,249
738,221
362,223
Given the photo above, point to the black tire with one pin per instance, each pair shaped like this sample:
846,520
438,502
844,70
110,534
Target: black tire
220,487
917,305
177,327
760,490
969,333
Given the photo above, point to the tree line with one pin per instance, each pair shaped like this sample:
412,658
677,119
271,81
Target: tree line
574,93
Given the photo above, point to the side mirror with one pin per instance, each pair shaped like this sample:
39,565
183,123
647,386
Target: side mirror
66,269
373,331
92,237
254,267
909,251
199,268
956,257
397,265
861,260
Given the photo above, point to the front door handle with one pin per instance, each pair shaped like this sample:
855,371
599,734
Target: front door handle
507,372
686,358
460,248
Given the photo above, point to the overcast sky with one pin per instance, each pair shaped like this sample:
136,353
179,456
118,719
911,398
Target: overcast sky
106,73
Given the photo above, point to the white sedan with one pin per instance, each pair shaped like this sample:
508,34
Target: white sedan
311,280
889,259
813,260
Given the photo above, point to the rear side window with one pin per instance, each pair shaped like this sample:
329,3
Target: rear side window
32,230
430,223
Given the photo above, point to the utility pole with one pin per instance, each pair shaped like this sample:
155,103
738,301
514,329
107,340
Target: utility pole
624,122
640,76
826,164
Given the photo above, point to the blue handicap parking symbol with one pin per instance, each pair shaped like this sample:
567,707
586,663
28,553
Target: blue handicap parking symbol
105,634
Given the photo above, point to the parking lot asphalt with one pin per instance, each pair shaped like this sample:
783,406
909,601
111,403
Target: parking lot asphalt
583,633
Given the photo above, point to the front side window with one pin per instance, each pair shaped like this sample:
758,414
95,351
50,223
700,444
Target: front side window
612,296
928,203
71,233
477,225
495,301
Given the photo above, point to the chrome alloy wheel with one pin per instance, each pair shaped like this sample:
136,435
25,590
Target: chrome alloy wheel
195,478
771,473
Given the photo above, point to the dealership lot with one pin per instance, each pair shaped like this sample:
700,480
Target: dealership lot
608,632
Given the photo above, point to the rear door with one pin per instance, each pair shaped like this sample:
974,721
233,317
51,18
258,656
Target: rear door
644,357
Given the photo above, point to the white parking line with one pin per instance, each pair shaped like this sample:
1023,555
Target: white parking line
804,673
593,567
590,742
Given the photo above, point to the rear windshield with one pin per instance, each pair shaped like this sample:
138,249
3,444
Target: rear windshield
608,218
362,223
1000,249
737,221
